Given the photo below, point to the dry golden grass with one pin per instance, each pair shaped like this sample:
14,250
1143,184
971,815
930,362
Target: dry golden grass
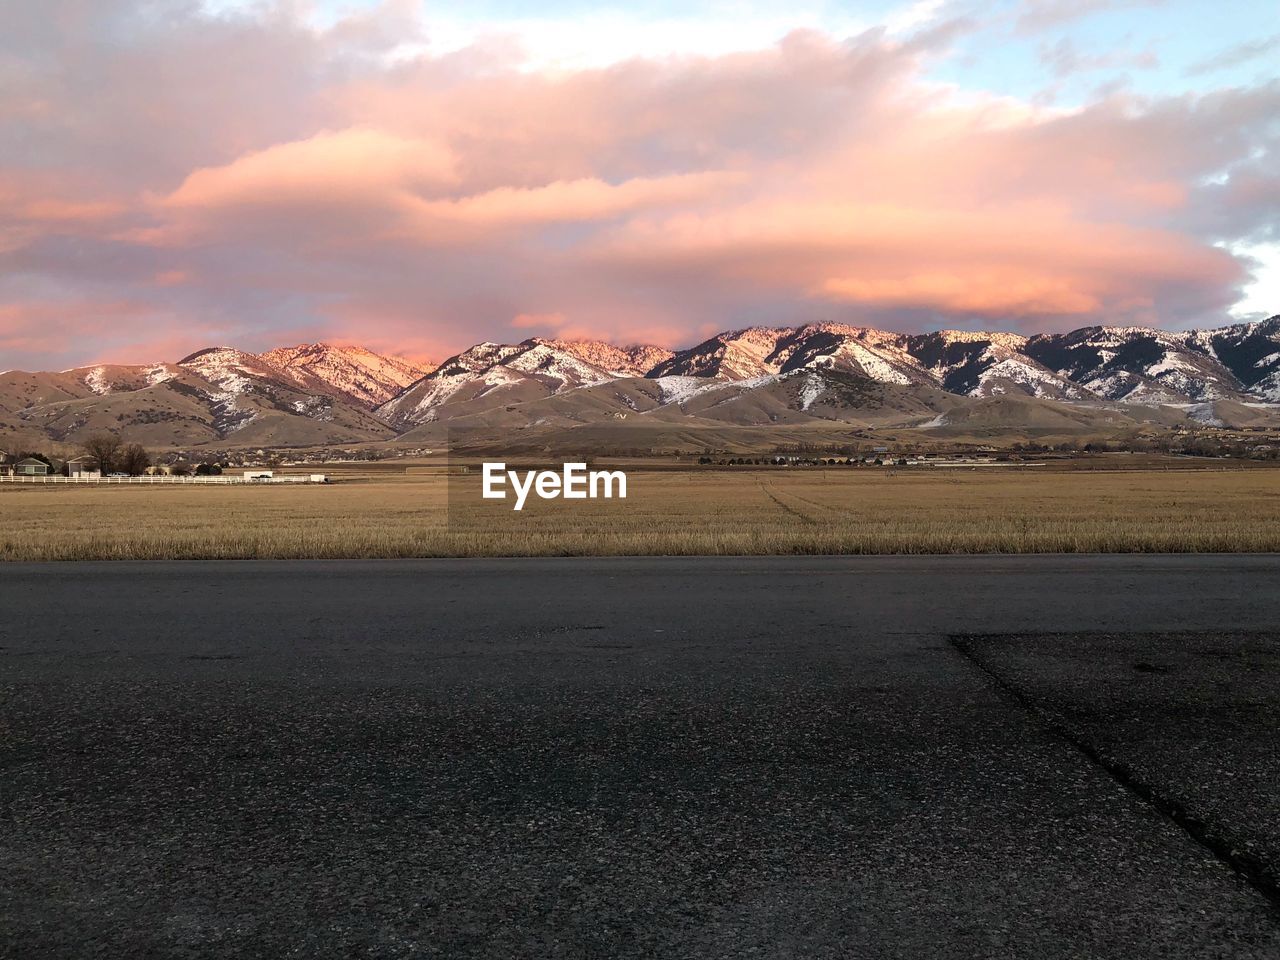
838,510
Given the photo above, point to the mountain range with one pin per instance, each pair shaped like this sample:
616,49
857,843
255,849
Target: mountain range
833,374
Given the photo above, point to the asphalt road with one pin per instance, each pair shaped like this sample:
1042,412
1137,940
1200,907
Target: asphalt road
777,757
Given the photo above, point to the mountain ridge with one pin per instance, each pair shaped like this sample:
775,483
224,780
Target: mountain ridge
763,375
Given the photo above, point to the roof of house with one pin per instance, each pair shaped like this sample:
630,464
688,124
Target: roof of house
82,459
31,460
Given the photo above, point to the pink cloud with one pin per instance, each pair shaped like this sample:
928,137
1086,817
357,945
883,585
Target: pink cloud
567,201
291,183
348,166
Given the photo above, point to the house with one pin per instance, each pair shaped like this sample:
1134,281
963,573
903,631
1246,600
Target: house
6,464
31,467
86,467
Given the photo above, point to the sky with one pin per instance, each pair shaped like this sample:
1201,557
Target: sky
418,177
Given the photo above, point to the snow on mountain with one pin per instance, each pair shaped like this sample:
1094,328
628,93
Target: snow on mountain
107,379
547,358
810,391
762,351
235,371
733,355
977,364
633,360
858,350
367,378
489,374
351,373
234,374
313,393
160,373
246,387
95,380
677,388
1138,364
1251,351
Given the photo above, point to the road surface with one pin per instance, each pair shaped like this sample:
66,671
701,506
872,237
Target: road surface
778,757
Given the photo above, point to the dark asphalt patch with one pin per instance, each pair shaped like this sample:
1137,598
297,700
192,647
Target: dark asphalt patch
1189,722
772,757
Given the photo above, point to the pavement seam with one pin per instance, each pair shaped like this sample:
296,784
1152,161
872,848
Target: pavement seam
1223,846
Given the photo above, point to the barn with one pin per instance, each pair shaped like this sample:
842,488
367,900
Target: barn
86,467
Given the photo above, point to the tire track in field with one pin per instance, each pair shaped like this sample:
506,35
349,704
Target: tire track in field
826,507
826,511
798,514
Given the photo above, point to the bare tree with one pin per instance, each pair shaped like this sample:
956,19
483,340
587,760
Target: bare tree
133,459
105,448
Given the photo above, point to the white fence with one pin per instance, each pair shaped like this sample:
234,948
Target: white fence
300,478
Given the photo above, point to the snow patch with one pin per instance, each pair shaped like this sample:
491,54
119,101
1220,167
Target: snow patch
96,380
159,373
677,388
1203,413
813,388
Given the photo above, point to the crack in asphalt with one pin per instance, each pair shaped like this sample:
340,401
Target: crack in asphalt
1220,843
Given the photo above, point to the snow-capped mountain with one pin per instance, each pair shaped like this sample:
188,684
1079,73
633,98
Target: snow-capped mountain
292,396
976,364
494,374
633,360
863,351
1096,364
765,351
733,355
294,382
352,373
1139,364
970,364
760,376
1251,351
233,370
362,376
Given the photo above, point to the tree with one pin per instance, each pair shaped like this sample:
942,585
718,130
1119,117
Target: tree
105,448
133,459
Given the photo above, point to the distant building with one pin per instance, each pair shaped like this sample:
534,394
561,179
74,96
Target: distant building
86,467
31,467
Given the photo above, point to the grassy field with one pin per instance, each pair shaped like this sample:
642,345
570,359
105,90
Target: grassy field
391,513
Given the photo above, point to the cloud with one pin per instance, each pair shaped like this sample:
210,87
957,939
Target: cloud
1037,15
1235,56
1064,59
289,181
570,201
358,166
51,328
